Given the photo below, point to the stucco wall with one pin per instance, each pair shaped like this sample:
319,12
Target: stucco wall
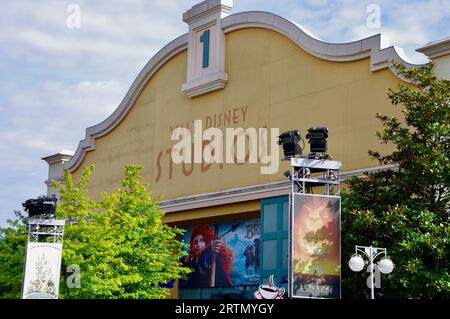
273,83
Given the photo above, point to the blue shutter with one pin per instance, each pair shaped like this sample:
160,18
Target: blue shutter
274,239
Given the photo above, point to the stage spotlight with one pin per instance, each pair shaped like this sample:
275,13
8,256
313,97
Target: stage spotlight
307,173
290,140
317,138
332,176
44,207
287,174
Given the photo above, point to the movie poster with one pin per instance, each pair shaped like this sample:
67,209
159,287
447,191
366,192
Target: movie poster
232,259
316,248
42,271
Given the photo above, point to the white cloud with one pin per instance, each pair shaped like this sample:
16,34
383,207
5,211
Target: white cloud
317,3
56,104
78,78
41,121
407,24
115,36
62,80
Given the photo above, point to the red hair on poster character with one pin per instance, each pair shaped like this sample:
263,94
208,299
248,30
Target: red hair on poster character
202,245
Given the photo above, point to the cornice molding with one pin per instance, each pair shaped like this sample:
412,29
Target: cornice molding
436,49
60,157
369,47
248,193
48,182
205,85
339,52
206,8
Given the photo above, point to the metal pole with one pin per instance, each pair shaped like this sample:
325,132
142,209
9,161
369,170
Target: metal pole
372,292
327,185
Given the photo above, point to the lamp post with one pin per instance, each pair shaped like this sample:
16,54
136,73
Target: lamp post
385,265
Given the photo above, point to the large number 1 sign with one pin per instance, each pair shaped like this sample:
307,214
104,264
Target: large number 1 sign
204,38
206,47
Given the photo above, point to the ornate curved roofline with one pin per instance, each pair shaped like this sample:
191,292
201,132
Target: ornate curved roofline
352,51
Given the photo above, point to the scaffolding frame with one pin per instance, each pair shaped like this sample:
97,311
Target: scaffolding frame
46,230
307,173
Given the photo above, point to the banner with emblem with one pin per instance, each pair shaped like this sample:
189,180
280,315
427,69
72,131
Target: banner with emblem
42,270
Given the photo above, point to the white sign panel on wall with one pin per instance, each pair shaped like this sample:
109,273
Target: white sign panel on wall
206,47
42,271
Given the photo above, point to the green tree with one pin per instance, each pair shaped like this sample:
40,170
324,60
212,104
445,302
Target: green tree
13,239
406,209
120,244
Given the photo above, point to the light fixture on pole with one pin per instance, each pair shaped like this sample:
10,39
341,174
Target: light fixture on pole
44,207
385,265
317,139
290,140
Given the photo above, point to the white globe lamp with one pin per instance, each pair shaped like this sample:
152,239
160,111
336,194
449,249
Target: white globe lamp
356,263
386,265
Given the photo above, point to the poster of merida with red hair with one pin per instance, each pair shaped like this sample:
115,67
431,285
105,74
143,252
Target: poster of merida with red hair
222,255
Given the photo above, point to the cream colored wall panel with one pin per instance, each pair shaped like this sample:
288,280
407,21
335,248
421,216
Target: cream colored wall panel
276,83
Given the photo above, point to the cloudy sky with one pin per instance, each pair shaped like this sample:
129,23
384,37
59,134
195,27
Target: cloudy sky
55,81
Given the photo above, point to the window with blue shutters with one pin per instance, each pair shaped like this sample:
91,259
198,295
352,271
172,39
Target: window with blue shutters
274,240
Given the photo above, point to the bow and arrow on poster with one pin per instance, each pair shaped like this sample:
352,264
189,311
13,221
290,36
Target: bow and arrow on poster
215,254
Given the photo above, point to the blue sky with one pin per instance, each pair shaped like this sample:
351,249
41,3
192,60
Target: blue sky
56,81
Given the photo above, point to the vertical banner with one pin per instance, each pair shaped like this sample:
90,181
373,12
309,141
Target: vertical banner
235,263
42,271
316,246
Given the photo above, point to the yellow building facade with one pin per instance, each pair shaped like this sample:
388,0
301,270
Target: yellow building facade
263,71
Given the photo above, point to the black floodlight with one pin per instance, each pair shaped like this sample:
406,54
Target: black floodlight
317,138
43,206
290,140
